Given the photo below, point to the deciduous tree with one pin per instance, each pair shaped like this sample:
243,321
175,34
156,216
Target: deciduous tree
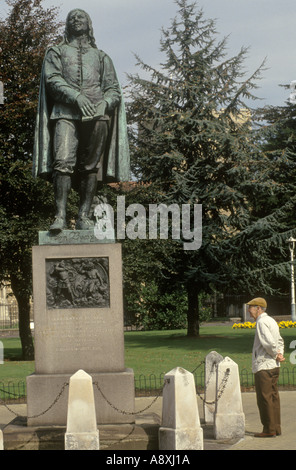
25,203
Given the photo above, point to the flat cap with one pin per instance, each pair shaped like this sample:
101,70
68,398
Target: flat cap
258,301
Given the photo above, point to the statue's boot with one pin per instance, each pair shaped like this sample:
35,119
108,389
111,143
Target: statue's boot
62,186
88,187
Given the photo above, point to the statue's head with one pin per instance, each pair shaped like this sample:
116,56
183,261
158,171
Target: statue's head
73,18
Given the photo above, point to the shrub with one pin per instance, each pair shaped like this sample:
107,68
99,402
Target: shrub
153,309
161,311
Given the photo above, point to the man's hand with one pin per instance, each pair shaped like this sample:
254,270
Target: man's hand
85,105
280,357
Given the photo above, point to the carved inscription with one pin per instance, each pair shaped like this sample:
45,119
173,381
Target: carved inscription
77,283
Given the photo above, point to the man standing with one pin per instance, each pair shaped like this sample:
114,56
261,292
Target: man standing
81,132
267,354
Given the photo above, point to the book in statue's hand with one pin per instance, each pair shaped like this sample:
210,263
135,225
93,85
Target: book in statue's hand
100,112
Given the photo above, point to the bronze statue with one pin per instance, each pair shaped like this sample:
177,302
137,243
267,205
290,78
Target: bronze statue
81,123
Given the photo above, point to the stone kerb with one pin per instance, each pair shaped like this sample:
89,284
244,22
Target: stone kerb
229,419
180,429
1,440
82,432
211,361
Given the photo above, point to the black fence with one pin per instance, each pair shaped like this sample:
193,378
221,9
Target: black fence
9,316
149,385
14,392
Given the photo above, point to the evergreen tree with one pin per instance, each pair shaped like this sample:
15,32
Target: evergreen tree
195,145
273,198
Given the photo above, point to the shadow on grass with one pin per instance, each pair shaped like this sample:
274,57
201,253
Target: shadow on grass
12,349
220,339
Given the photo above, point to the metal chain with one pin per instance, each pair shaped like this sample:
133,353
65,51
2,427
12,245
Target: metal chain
148,406
166,381
122,439
223,384
4,404
221,388
66,384
9,393
130,412
201,363
220,391
9,409
213,368
219,395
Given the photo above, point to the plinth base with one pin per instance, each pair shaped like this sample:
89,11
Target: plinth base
119,437
47,398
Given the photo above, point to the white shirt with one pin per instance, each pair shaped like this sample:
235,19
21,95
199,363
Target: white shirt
267,343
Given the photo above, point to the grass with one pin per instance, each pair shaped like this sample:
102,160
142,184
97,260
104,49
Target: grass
157,352
14,369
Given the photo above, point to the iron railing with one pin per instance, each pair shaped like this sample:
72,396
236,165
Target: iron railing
149,385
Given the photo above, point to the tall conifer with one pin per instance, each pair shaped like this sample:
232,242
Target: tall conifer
193,142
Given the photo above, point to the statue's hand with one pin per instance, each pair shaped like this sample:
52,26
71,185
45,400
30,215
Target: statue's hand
85,105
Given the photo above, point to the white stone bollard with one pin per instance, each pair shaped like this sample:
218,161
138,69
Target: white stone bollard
211,361
1,440
180,429
229,419
82,432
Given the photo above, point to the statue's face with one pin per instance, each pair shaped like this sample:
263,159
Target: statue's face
78,22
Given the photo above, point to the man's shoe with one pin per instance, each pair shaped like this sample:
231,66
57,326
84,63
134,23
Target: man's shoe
84,223
58,225
264,434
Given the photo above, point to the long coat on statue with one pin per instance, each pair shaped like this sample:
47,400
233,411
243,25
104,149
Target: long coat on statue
117,159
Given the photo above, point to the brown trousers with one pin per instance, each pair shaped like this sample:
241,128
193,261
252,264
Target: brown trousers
268,400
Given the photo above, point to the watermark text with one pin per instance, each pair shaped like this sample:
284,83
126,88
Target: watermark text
182,222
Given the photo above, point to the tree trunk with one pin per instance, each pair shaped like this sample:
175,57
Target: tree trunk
23,301
193,310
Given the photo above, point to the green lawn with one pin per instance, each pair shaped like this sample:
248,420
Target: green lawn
160,351
157,352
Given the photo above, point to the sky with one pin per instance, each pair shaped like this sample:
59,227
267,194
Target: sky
124,28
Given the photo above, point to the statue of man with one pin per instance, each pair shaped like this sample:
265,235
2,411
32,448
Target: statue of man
81,123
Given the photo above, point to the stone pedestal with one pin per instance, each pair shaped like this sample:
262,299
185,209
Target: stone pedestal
229,419
82,432
78,322
180,428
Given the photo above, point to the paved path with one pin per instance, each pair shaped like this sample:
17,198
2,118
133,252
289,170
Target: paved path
287,441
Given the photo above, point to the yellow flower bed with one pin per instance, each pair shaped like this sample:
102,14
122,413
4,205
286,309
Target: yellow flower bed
245,325
287,324
248,324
